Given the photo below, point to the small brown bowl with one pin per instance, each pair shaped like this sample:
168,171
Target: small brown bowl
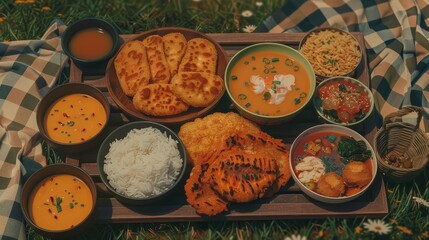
126,103
47,172
94,66
63,90
319,76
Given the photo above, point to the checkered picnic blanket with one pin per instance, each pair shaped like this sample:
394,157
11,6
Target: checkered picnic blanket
396,39
27,71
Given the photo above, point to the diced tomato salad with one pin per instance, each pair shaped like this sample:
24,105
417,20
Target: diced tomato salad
344,100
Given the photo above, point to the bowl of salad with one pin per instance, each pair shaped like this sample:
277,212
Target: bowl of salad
343,101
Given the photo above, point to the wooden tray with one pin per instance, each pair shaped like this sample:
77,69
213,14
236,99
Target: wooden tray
289,203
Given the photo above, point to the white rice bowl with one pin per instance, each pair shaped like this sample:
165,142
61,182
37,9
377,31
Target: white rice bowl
144,164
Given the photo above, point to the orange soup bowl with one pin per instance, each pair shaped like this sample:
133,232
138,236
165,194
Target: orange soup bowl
73,117
90,43
58,200
269,83
332,163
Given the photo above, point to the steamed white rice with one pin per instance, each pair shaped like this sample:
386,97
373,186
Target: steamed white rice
145,163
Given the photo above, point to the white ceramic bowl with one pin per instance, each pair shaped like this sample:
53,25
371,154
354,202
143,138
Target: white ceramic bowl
333,128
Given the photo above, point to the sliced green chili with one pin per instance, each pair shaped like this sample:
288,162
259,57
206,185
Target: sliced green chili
233,77
297,101
303,95
275,60
242,96
288,62
266,60
246,63
266,70
296,68
247,105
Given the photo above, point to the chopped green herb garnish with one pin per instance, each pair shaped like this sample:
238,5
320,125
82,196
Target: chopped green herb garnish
303,95
246,84
71,205
75,203
246,63
253,58
323,42
233,77
277,82
329,41
297,101
332,138
242,96
275,60
342,88
55,110
269,66
57,204
247,105
273,71
297,88
70,123
257,112
267,95
266,70
86,118
82,205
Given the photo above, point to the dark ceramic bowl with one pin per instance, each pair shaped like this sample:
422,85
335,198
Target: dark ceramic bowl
44,173
63,90
96,66
121,133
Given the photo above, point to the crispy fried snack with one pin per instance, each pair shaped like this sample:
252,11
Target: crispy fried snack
201,135
201,196
356,174
200,56
158,100
157,61
331,185
197,89
132,67
174,47
239,176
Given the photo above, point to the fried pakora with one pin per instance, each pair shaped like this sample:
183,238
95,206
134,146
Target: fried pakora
356,174
331,185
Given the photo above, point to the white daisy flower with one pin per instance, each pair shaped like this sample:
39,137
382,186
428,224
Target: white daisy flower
259,3
421,201
249,28
377,226
247,13
295,237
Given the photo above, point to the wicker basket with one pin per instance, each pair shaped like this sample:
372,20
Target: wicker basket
402,139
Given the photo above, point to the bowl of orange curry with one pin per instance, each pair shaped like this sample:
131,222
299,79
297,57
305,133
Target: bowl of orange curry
269,83
58,200
90,43
73,117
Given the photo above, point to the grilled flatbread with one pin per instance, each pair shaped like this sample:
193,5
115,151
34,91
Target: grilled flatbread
174,48
200,56
132,67
157,99
157,61
197,89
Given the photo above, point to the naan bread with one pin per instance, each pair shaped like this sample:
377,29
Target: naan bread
197,89
174,48
200,56
132,67
157,61
157,99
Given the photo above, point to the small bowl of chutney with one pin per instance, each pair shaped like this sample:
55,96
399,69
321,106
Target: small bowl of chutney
90,43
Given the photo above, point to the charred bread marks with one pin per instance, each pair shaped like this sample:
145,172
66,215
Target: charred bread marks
132,67
160,72
200,56
158,100
197,89
174,48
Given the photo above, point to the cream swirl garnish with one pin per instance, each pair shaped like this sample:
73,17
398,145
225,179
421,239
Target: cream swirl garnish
276,90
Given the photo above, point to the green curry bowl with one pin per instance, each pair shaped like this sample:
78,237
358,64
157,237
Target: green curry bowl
269,83
343,101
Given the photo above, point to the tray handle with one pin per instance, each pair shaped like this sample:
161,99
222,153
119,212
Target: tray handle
402,112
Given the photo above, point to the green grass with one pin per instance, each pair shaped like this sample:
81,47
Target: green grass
19,21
